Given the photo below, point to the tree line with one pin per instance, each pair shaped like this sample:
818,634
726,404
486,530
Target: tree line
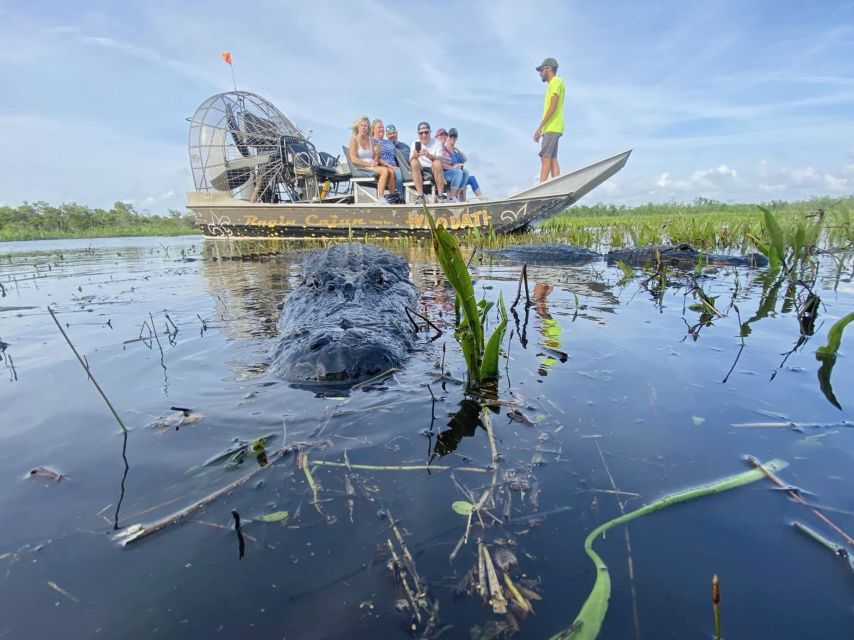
42,220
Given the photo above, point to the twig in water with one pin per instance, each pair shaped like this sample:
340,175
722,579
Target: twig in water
629,560
797,497
88,371
487,423
522,277
838,550
376,378
425,319
139,531
411,467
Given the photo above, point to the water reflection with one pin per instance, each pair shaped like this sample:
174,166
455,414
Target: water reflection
463,424
549,329
248,294
124,479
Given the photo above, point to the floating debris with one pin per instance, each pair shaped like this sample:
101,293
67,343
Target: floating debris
47,473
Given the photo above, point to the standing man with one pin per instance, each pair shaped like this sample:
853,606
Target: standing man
551,126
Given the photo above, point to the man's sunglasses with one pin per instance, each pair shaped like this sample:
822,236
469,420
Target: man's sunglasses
421,133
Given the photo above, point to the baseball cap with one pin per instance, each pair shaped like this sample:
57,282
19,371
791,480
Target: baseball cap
452,132
390,127
423,125
548,62
441,132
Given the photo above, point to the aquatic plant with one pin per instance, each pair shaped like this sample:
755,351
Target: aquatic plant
481,357
827,356
589,620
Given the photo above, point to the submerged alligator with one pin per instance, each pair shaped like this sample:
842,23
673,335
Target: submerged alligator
679,256
346,320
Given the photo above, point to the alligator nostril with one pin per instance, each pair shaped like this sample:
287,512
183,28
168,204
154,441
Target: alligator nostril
330,287
346,324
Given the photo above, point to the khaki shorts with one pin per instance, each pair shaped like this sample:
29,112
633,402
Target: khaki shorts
548,146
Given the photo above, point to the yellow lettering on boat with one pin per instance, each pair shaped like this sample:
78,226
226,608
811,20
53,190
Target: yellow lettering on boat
441,222
417,220
465,220
455,221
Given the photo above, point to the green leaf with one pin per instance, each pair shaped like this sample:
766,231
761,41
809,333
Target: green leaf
489,364
463,507
834,337
276,516
778,245
589,621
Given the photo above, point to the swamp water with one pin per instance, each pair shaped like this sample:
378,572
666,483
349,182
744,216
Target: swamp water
613,395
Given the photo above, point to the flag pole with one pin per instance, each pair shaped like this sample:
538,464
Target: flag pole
226,57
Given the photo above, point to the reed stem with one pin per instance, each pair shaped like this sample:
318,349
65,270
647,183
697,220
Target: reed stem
88,371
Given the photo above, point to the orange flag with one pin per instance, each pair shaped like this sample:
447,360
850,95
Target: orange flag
226,55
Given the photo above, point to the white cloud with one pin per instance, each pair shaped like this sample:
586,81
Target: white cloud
93,164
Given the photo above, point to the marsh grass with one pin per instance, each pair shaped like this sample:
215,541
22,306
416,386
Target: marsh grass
705,224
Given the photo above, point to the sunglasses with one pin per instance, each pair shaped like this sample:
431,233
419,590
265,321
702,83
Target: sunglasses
454,137
421,133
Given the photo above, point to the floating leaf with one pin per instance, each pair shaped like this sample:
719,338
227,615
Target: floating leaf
697,420
276,516
463,507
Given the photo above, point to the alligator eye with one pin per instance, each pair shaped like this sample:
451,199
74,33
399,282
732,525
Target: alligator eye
330,287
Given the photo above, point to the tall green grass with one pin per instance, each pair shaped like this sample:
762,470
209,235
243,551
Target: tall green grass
705,224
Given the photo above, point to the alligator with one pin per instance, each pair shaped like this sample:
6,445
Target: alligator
346,320
681,256
546,255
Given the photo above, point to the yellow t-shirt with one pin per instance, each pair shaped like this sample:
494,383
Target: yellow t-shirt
555,124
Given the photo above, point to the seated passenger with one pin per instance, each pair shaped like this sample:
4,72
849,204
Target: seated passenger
364,154
387,158
458,159
391,132
427,154
453,175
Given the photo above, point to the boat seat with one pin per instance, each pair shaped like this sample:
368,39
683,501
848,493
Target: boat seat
408,182
358,174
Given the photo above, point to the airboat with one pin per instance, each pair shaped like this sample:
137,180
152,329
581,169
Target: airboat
257,175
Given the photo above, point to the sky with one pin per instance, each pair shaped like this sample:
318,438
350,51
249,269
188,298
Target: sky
738,101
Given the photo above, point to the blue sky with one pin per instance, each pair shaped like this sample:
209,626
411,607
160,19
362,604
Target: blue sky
737,101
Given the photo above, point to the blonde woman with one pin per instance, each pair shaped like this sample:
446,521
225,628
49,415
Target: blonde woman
366,155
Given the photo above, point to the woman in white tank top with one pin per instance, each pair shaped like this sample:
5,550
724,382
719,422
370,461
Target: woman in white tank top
364,154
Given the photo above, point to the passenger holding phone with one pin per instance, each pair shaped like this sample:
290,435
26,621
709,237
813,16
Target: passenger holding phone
427,155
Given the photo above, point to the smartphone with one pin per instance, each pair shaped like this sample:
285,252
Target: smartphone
417,146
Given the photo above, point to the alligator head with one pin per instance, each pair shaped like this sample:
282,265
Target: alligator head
346,320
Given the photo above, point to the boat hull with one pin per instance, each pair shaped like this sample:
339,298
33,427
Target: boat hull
342,221
220,215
